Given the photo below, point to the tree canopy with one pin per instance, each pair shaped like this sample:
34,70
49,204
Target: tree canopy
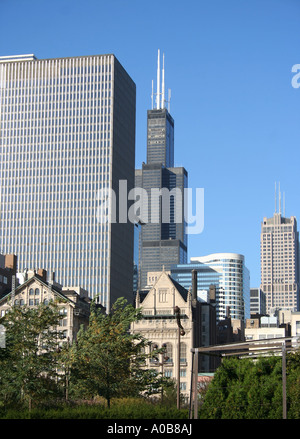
108,360
248,389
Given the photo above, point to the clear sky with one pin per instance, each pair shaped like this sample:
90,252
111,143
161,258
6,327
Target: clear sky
228,64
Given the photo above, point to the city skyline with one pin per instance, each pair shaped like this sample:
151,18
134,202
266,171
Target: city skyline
230,71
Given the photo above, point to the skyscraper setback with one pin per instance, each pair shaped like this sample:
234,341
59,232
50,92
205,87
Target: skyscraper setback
162,243
279,246
67,132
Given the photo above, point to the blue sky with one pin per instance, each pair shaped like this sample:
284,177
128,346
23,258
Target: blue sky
228,64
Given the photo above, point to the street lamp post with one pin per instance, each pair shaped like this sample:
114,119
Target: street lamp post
164,359
179,332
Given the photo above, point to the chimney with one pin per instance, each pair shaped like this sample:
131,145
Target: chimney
194,286
42,273
11,262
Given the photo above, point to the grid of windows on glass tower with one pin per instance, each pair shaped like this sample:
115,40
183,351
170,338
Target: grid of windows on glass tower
67,130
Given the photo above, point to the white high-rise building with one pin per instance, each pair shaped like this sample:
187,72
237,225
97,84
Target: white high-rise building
232,282
279,241
67,132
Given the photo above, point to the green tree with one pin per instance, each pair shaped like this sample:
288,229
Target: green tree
293,385
28,364
109,361
245,389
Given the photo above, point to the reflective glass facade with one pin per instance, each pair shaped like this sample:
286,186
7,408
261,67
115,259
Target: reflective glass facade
230,276
67,131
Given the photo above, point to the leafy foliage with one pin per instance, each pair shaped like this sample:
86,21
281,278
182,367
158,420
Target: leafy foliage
247,389
29,361
108,360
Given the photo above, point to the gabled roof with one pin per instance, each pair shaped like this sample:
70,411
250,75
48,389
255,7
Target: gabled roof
36,277
181,290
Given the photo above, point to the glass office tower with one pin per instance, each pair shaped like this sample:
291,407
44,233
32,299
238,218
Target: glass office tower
162,243
67,132
228,273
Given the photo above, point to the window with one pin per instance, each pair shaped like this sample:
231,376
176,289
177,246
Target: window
183,372
31,293
162,295
182,386
183,358
169,353
37,292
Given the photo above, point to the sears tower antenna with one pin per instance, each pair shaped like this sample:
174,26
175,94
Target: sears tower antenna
160,86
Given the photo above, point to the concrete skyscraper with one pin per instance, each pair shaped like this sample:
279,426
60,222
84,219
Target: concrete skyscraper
162,243
279,249
67,132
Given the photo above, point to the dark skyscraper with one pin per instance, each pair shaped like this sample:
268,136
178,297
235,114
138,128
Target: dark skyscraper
162,243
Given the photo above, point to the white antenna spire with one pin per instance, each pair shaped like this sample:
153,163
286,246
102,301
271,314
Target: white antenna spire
275,199
158,81
152,95
163,84
284,204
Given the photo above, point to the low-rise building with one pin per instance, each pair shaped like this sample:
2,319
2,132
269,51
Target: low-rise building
34,289
161,326
264,327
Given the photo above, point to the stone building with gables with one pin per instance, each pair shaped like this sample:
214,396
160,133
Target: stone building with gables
161,327
35,289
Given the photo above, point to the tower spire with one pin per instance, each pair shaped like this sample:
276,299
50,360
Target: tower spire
275,199
158,81
279,195
163,84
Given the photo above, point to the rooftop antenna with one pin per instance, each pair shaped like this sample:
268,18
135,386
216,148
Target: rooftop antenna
284,204
163,84
158,81
279,199
275,199
152,95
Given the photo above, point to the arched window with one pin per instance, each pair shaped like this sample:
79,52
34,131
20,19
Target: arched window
31,292
169,352
46,301
183,353
22,303
37,292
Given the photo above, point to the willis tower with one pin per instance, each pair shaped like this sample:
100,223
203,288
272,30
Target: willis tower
162,243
